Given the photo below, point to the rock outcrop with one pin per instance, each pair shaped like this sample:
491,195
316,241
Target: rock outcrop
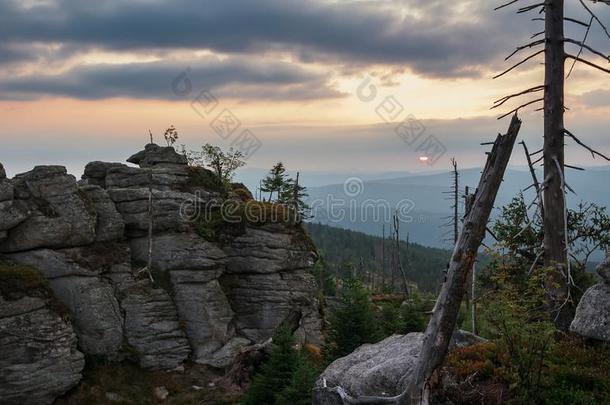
592,319
38,356
383,369
213,288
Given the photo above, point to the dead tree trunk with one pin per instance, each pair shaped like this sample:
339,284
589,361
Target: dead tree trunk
456,189
555,252
405,283
473,299
442,323
383,257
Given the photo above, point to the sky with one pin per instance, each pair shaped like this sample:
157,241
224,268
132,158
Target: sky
340,86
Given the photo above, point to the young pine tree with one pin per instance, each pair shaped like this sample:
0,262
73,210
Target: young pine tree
293,195
300,389
276,373
352,324
275,182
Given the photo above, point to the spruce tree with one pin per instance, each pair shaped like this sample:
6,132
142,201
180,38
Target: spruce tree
300,389
275,181
276,373
293,195
352,324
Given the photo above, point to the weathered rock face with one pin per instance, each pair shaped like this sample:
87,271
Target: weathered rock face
151,324
383,369
38,356
60,216
208,298
89,297
592,318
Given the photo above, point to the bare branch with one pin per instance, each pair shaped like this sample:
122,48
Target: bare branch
594,16
573,167
537,34
577,21
587,47
530,45
505,99
520,107
586,62
505,5
530,8
580,50
578,141
519,64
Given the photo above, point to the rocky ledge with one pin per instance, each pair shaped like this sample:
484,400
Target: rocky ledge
213,287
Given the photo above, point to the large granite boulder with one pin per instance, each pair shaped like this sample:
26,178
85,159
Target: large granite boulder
155,155
38,356
383,369
592,319
60,216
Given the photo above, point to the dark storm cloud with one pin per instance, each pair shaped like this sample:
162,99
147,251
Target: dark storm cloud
444,40
238,77
346,32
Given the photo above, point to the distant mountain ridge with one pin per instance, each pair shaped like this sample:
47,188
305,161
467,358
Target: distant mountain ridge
430,205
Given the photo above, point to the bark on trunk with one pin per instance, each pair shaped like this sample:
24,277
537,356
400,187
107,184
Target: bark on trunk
442,323
555,253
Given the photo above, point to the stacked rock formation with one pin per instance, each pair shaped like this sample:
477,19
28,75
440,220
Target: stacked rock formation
89,240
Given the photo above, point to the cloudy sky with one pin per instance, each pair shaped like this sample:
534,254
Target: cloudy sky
339,85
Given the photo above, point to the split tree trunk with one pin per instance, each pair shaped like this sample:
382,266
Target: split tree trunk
442,323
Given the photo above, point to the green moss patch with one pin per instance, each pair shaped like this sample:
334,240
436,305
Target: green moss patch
231,219
17,281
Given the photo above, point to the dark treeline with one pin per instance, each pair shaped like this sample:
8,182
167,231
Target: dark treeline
349,253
